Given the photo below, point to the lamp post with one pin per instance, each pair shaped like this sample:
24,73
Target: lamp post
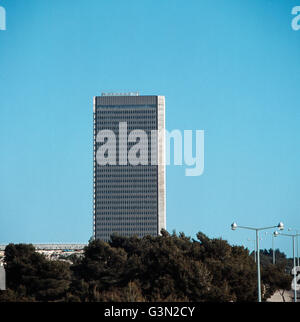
276,233
297,243
254,249
280,226
273,248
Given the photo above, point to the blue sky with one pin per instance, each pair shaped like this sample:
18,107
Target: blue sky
230,68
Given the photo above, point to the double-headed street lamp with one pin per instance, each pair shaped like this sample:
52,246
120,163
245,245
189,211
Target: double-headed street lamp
280,226
276,233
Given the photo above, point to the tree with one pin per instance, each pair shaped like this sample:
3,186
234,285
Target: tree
168,267
275,278
234,274
30,274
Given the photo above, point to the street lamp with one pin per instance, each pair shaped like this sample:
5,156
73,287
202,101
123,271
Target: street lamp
297,243
273,243
273,247
254,251
254,241
280,226
276,233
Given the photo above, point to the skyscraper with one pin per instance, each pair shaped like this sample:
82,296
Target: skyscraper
129,197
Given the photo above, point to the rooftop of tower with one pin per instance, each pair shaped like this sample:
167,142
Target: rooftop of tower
121,94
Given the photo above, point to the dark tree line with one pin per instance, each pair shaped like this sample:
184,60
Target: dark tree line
163,268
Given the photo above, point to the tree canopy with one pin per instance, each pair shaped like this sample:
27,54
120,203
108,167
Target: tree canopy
169,267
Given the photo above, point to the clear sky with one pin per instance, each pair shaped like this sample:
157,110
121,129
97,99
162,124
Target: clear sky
230,68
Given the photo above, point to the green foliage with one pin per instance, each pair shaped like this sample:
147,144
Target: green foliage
274,278
31,275
266,257
234,273
166,268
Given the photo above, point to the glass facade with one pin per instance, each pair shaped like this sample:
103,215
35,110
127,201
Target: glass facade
126,197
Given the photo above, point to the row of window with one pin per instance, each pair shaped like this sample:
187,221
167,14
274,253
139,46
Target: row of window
143,176
127,224
124,207
111,184
145,180
126,196
125,109
115,190
127,229
120,168
122,118
127,170
107,186
145,126
99,211
126,202
135,218
106,236
131,125
102,178
121,115
143,145
146,177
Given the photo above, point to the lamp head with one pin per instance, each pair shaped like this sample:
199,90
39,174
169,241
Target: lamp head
234,226
280,226
276,233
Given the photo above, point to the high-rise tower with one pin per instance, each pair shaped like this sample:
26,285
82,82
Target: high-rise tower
129,198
